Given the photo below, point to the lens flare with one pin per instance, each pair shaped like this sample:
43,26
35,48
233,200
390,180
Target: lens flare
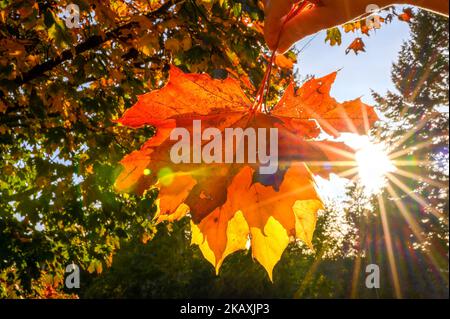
373,165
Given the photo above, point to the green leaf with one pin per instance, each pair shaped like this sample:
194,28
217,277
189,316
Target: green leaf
334,36
57,31
237,9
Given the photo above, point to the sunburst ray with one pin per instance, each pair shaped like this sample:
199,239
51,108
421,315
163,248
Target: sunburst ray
389,247
419,199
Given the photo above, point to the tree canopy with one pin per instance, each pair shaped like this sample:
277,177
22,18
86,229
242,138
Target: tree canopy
61,90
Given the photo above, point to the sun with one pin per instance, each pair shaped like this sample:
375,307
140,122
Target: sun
373,166
372,162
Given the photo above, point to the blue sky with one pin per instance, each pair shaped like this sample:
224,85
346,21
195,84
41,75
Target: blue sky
359,73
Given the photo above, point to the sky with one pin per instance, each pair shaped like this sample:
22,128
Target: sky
359,73
358,76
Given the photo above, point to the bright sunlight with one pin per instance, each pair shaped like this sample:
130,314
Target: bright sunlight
373,163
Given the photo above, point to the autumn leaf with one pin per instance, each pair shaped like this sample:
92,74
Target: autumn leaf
284,62
351,26
233,205
334,36
312,103
365,30
357,46
186,94
407,15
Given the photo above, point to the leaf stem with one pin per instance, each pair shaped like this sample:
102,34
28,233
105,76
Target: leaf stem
263,91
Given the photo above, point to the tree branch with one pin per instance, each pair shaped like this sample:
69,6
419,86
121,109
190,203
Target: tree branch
91,43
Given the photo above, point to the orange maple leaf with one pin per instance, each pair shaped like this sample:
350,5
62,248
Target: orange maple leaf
233,205
407,15
357,45
284,62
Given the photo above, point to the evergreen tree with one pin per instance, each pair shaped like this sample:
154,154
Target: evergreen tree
418,120
416,198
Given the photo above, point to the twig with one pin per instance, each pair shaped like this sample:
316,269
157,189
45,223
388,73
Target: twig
91,43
